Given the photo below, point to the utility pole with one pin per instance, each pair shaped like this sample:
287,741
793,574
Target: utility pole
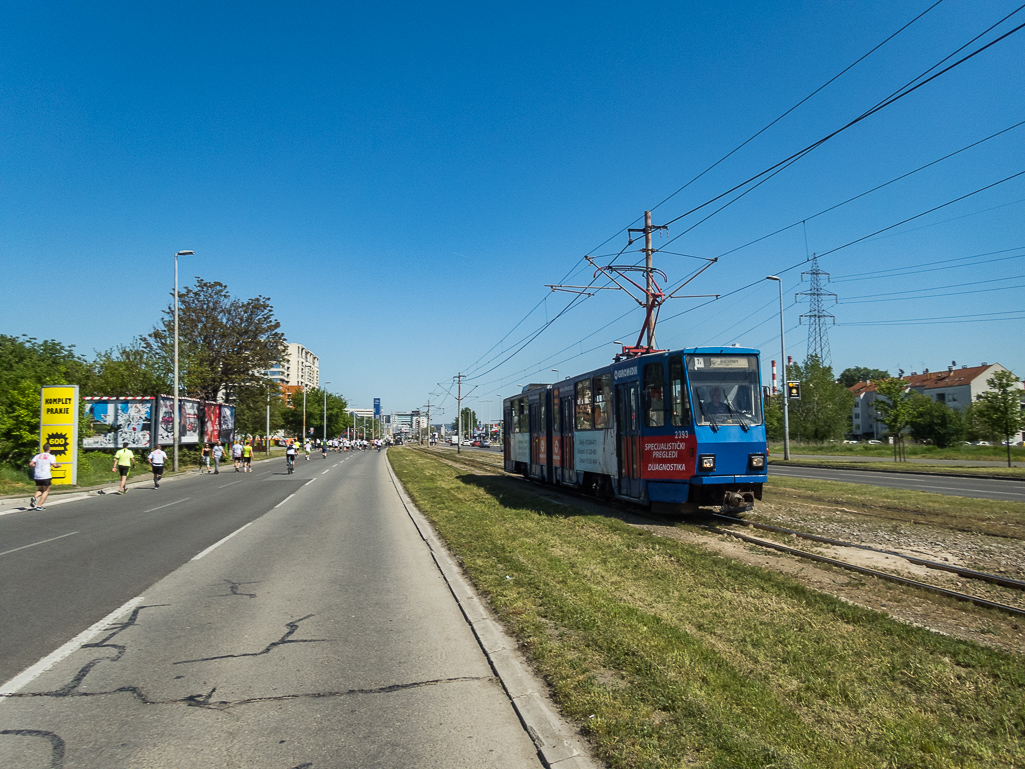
651,300
459,420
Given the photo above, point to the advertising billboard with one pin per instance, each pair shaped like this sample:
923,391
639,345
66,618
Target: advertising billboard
59,427
115,421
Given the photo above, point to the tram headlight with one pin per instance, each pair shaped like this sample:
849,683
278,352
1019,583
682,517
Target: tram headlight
756,462
706,462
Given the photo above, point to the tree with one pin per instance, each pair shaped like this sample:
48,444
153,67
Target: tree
129,370
251,409
1000,408
896,407
337,418
976,428
851,376
25,366
469,421
824,411
774,417
224,343
938,424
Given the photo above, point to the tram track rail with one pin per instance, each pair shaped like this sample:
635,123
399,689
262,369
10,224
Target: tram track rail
994,579
864,570
796,552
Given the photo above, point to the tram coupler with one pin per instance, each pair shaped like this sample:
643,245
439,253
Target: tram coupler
737,502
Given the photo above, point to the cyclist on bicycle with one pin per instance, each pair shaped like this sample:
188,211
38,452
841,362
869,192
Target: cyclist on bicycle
290,453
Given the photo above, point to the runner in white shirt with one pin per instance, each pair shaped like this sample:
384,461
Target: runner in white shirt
41,465
236,454
157,458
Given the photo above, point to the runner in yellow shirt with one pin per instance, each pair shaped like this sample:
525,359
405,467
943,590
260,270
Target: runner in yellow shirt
247,457
124,460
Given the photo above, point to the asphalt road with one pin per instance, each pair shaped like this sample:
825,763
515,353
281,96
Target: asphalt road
978,488
242,620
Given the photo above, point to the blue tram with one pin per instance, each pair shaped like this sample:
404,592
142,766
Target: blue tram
670,430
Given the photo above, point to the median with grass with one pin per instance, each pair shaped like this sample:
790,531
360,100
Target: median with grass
667,655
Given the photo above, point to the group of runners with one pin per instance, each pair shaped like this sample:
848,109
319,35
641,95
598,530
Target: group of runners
43,463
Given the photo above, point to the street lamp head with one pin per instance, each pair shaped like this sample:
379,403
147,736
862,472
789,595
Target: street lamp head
616,341
185,253
773,277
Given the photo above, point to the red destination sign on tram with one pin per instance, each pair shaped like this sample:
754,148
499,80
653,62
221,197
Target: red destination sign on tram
667,457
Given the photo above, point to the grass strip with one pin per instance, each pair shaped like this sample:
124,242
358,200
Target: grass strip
912,450
1010,473
667,655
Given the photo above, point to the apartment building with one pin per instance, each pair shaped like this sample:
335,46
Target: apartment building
298,370
957,387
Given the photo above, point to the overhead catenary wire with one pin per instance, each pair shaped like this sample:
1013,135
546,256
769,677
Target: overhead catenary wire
910,87
577,264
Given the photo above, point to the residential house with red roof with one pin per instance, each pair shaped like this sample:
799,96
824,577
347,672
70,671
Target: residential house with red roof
957,387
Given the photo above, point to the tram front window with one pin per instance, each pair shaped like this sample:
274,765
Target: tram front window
725,389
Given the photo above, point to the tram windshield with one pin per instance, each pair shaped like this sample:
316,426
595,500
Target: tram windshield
725,390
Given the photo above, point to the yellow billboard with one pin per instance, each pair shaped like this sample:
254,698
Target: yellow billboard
59,427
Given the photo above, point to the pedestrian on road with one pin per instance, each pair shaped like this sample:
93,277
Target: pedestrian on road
247,457
218,452
157,458
41,464
236,454
124,460
206,458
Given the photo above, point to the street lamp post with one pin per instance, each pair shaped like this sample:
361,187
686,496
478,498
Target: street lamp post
783,355
175,416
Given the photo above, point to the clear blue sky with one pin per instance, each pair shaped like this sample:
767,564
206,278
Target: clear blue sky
403,180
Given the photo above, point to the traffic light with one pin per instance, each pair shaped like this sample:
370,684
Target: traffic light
794,391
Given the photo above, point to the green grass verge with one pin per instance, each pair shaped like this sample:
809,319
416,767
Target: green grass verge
913,451
669,656
904,467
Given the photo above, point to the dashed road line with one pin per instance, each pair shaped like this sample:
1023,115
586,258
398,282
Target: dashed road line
42,542
161,507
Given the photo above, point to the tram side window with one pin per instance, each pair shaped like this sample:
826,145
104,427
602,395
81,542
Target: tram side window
556,422
679,403
602,401
654,394
584,405
522,418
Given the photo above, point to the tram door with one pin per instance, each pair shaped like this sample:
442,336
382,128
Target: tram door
567,416
628,430
536,430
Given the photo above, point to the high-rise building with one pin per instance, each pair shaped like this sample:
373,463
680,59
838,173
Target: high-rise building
298,370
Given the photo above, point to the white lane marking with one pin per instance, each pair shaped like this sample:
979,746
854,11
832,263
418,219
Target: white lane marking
167,505
279,504
231,484
42,542
217,544
28,675
311,480
328,470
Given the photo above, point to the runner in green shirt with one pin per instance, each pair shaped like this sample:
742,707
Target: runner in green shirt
124,460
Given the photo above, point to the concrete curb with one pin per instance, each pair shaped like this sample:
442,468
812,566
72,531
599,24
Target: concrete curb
558,743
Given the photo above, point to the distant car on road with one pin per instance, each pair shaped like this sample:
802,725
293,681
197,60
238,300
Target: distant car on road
874,443
467,442
485,444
